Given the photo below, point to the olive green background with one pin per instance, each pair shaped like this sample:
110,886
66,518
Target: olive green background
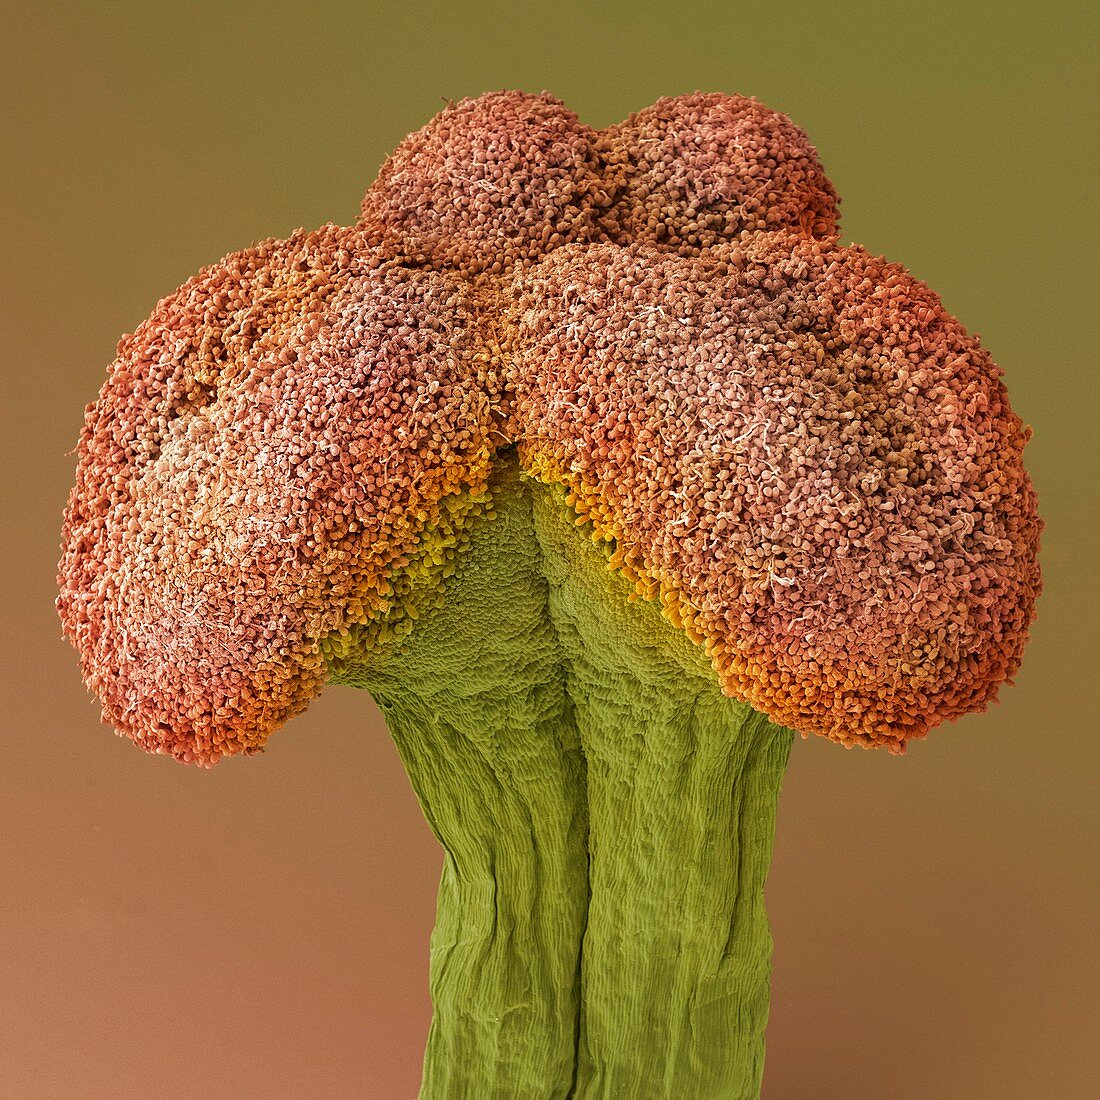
261,930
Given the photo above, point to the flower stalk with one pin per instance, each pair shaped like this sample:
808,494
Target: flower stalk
601,928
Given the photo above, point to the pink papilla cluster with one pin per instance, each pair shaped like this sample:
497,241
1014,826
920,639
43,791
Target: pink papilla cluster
792,444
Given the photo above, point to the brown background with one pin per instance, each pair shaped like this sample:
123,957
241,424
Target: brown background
261,930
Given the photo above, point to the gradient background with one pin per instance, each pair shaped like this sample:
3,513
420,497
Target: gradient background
262,930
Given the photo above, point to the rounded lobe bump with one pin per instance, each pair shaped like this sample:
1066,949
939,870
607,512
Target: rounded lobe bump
703,168
804,457
486,183
199,584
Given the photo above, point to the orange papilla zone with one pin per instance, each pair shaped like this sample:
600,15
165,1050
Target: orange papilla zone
293,444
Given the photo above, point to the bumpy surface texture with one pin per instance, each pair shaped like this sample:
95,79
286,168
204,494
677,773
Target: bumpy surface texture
792,444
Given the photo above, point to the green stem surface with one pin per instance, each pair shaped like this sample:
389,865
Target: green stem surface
606,815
